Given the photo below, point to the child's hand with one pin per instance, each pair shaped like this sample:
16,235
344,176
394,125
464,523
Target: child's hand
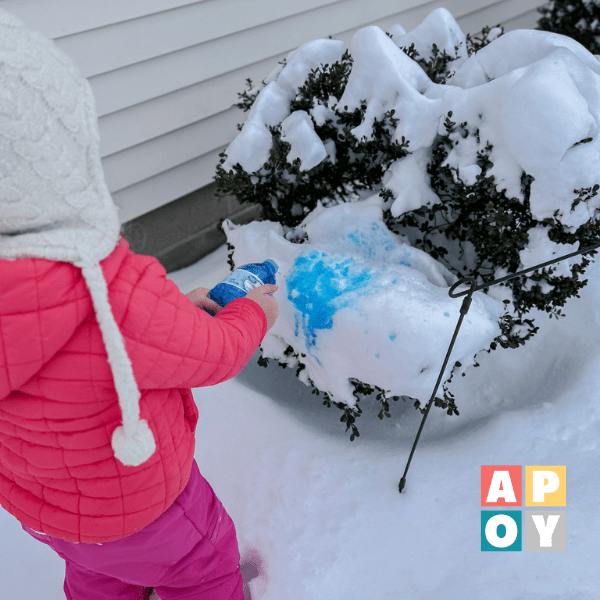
199,298
261,295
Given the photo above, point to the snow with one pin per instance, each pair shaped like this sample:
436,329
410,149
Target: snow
251,147
439,28
357,302
518,49
387,79
409,181
311,55
541,249
320,518
299,132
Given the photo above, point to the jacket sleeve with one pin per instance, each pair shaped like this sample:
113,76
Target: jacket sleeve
173,344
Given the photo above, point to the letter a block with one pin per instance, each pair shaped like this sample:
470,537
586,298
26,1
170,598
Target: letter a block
501,485
545,486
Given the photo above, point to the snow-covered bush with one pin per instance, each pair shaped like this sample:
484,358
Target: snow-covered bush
579,19
304,159
488,161
309,154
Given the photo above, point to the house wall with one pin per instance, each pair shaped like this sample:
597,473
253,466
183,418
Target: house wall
166,73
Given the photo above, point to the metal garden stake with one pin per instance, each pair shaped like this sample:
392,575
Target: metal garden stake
464,309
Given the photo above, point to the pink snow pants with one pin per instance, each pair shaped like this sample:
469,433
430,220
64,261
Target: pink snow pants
189,553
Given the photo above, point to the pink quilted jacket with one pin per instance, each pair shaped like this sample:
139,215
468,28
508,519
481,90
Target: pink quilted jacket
58,405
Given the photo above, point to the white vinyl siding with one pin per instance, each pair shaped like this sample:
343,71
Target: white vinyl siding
166,73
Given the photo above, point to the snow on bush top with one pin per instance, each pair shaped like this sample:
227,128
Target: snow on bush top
357,303
438,28
252,146
533,95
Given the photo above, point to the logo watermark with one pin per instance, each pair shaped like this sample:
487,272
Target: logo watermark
503,529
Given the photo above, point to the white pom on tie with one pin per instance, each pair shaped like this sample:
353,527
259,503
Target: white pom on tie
135,449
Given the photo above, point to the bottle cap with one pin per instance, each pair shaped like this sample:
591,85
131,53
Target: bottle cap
273,264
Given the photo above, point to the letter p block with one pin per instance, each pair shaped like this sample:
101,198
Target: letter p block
545,486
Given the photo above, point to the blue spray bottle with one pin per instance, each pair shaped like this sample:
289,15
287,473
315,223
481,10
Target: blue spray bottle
245,278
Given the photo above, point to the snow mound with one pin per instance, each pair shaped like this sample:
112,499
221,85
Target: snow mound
357,303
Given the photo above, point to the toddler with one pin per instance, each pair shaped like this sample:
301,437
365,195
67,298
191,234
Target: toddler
98,352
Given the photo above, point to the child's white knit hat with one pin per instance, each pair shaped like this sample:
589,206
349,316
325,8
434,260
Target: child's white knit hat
54,203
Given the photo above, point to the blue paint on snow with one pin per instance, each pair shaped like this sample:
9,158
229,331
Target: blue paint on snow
374,242
318,286
446,314
392,337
